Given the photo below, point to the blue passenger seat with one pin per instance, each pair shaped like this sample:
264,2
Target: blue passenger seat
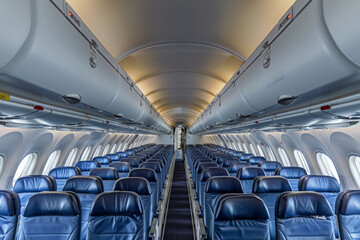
303,215
269,167
107,175
247,176
9,213
51,215
104,161
122,168
113,157
86,166
348,214
233,168
254,161
241,216
29,185
86,188
327,186
293,174
61,174
116,215
150,175
268,188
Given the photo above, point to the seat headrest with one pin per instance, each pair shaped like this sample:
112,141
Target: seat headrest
240,207
203,166
34,183
131,162
64,172
271,184
291,172
269,165
223,184
256,160
108,173
116,203
133,184
156,161
233,168
53,204
9,203
87,165
212,172
102,160
235,154
249,173
113,157
120,166
147,173
302,204
122,154
155,166
348,203
319,183
245,157
228,162
84,184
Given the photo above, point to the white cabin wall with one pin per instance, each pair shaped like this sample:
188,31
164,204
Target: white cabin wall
162,139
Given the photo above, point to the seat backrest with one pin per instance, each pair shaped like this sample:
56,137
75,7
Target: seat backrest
104,161
86,166
51,215
247,176
214,188
233,168
108,176
61,174
122,154
27,186
245,156
296,211
269,167
9,212
268,188
255,160
140,186
86,188
327,186
122,168
293,174
244,216
150,175
227,162
116,214
348,214
133,163
113,157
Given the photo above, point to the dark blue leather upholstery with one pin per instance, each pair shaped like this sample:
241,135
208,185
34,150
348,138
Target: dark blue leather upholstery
247,176
133,163
150,175
205,175
51,215
233,168
348,214
227,162
327,186
86,188
122,168
241,217
113,157
122,154
9,212
61,174
254,161
108,176
269,167
116,215
214,188
140,186
293,174
86,166
29,185
199,170
268,188
156,167
303,215
245,157
104,161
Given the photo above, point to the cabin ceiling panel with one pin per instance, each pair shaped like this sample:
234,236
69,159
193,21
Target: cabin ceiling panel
180,52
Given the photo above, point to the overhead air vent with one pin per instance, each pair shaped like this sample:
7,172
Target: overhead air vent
240,116
286,99
72,98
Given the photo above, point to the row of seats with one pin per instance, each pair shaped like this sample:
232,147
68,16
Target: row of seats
215,181
142,181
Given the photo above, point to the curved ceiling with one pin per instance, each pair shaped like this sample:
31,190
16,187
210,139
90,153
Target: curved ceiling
180,53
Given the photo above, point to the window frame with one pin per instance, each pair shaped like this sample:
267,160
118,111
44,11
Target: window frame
355,168
285,161
106,149
71,158
97,151
260,150
301,161
246,149
328,169
271,154
2,164
28,166
86,153
52,161
252,149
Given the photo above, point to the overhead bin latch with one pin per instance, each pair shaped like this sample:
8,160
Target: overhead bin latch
93,53
266,55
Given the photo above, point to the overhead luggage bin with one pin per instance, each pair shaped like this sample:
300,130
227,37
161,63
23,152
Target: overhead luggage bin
76,71
311,56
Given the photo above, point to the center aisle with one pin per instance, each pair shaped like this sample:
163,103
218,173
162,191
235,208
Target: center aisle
178,223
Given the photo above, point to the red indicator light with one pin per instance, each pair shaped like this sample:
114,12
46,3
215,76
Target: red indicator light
262,144
256,122
38,107
70,13
325,107
88,107
288,16
107,122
